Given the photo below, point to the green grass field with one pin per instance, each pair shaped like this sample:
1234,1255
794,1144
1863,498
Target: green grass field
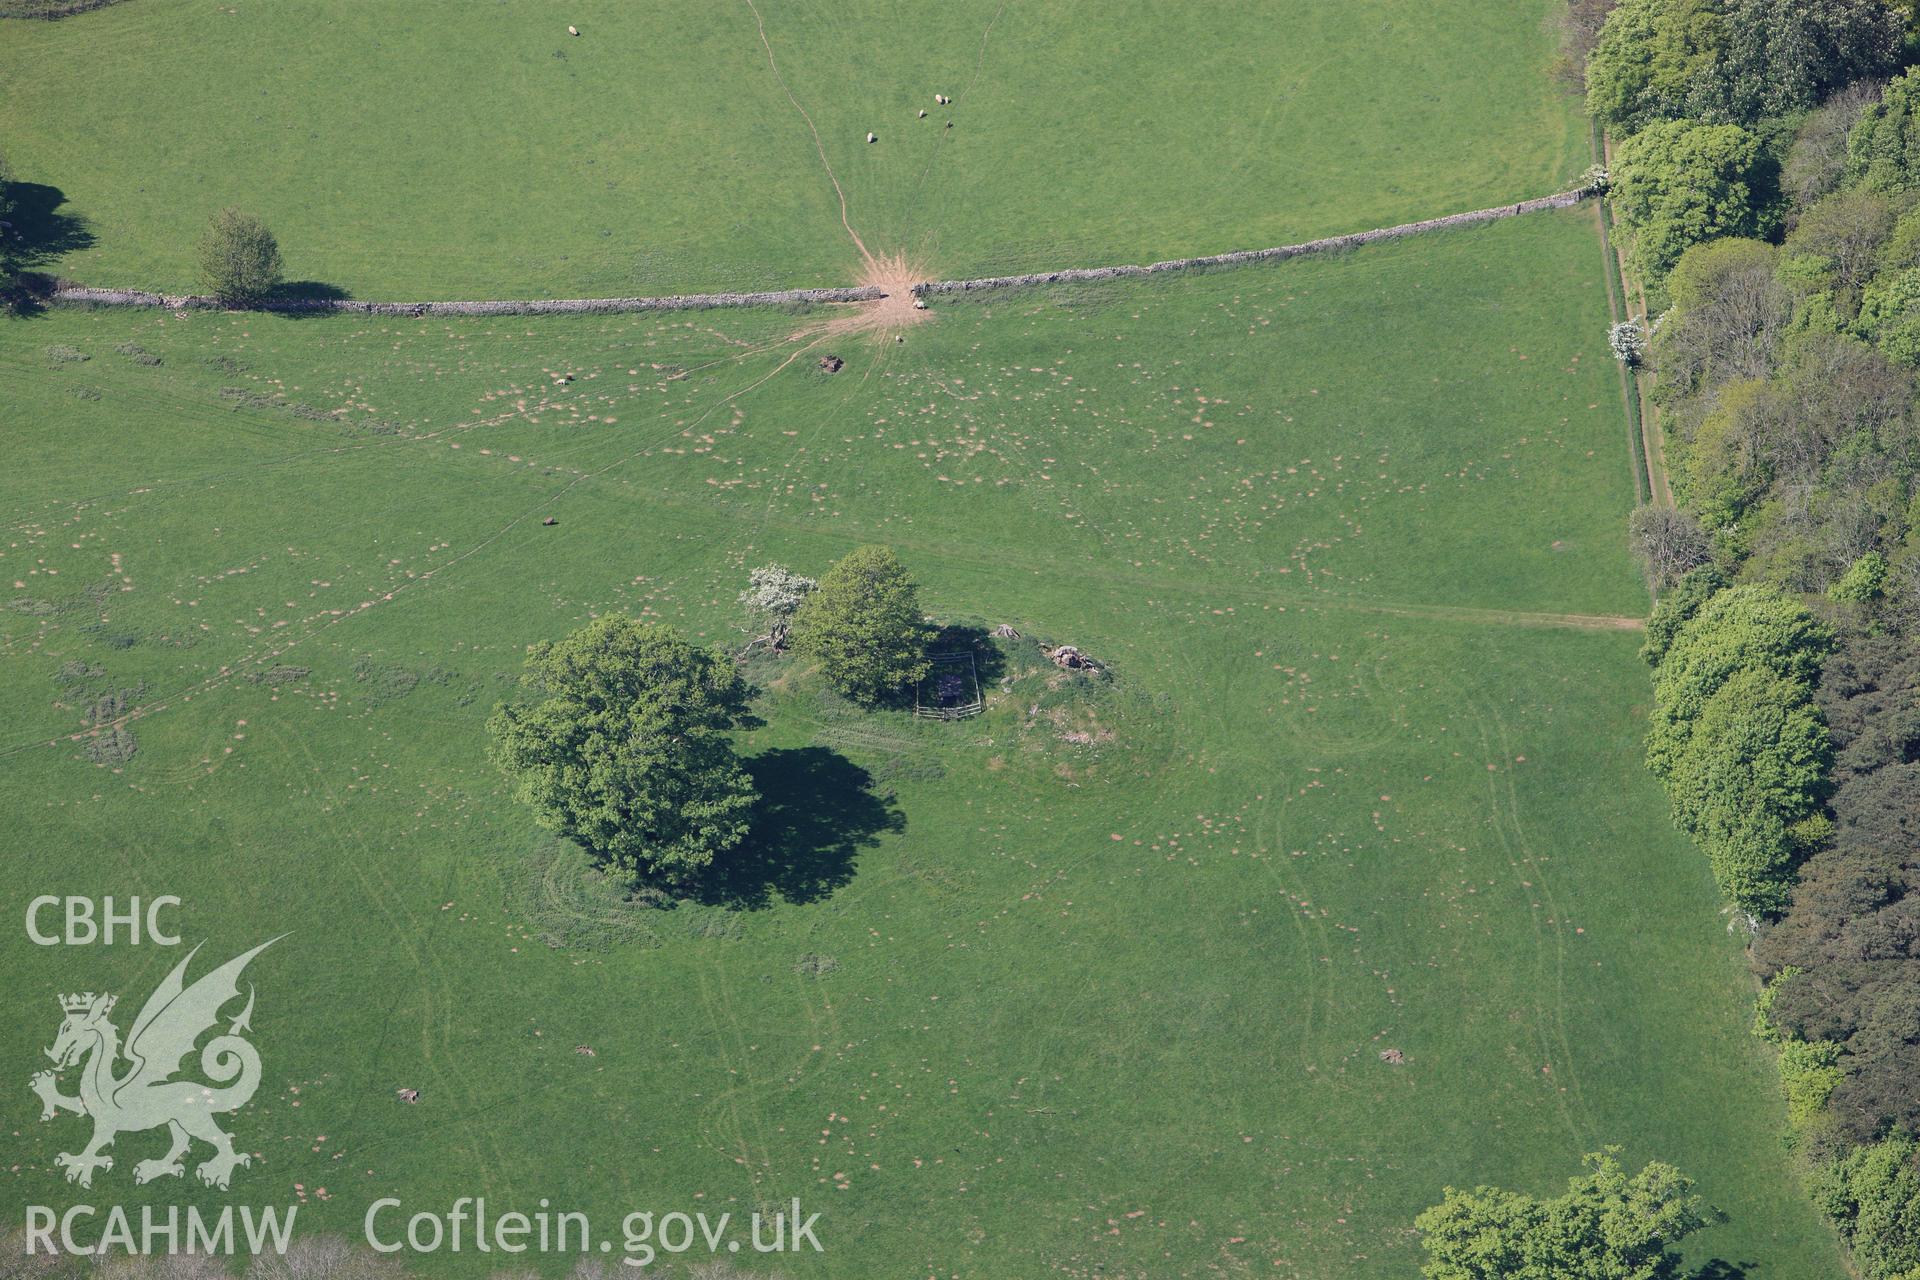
996,1002
434,150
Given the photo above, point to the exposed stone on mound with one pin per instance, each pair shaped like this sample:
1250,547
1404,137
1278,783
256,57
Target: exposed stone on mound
1068,658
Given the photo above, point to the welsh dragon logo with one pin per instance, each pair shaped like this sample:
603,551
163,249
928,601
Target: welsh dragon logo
146,1095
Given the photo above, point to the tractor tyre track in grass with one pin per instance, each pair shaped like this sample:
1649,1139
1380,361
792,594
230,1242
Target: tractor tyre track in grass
436,993
1549,1018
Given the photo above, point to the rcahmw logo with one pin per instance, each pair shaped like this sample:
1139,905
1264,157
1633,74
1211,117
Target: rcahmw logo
158,1230
146,1095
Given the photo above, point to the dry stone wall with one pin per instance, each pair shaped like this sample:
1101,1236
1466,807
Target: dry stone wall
1332,244
78,295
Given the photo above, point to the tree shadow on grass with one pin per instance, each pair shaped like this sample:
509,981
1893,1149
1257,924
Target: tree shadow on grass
45,232
1720,1269
301,299
41,234
817,811
968,637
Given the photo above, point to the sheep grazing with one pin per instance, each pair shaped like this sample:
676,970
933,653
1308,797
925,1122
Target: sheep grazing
923,113
941,98
873,137
573,30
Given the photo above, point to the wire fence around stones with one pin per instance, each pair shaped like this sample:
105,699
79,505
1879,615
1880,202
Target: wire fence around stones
951,690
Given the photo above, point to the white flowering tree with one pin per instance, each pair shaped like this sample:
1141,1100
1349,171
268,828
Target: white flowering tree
771,599
1629,342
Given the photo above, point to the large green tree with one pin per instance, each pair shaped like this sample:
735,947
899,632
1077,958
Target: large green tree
1736,738
864,626
1655,60
1676,607
1734,61
1890,316
1679,183
623,747
239,258
1748,784
1883,151
1744,626
1610,1225
1873,1196
1783,56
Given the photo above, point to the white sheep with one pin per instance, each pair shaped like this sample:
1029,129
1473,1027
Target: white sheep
873,137
572,30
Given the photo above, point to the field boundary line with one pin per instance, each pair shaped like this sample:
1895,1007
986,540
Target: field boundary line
1617,312
58,11
1243,257
1653,443
86,296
